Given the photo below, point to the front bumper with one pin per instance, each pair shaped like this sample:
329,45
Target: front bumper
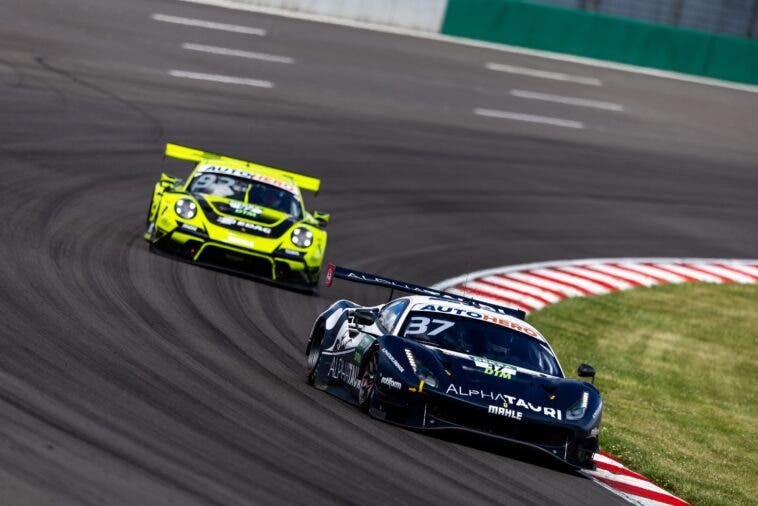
432,410
197,247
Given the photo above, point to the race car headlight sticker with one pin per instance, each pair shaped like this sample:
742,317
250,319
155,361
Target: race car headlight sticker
302,237
186,208
427,377
421,371
577,411
411,359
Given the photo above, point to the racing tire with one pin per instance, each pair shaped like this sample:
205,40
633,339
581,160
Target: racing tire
314,355
149,225
368,380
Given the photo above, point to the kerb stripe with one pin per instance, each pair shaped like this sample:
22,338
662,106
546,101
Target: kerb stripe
641,492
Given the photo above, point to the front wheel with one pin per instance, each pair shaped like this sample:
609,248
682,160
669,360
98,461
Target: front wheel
149,225
367,386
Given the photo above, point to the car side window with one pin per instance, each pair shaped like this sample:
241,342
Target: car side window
390,313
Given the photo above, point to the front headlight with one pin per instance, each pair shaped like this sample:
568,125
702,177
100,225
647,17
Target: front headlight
185,208
577,411
421,371
302,237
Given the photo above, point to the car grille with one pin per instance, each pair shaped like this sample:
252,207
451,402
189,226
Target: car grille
459,413
232,259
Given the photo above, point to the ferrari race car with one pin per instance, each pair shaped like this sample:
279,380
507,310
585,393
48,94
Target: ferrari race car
438,361
238,216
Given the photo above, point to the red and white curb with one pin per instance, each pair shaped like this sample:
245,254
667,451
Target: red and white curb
533,286
632,486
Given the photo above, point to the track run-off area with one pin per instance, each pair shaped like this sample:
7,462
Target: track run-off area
129,378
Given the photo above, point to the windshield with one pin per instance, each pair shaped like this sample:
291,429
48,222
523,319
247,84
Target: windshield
481,339
252,192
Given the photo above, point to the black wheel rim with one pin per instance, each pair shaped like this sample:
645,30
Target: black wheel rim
368,379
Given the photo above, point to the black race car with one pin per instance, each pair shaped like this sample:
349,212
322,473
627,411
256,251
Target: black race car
437,361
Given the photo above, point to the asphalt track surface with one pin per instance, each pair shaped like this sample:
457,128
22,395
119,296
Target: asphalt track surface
129,378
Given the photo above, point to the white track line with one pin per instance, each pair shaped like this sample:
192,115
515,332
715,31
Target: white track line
558,99
529,118
237,52
543,74
503,48
217,78
199,23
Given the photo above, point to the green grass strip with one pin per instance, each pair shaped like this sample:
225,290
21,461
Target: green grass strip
678,369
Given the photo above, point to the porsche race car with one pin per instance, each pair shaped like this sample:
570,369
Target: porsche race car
239,216
443,362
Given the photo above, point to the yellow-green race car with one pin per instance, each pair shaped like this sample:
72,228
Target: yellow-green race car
238,216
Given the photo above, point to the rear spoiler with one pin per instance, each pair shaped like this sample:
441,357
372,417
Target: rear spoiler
335,271
197,155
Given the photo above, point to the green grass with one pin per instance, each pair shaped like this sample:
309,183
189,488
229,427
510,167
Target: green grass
678,369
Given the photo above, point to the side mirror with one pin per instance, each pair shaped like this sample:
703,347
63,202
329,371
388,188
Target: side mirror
167,180
321,218
586,371
364,317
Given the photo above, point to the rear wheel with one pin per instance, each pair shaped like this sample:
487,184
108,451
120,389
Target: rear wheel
314,355
369,378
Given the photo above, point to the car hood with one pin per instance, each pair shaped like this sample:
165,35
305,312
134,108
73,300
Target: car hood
239,209
490,383
248,218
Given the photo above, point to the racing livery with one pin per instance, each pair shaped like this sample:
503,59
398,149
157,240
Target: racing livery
437,361
239,216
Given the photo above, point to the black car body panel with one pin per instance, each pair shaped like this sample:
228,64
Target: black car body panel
454,391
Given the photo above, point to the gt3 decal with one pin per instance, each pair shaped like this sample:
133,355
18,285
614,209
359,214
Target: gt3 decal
500,372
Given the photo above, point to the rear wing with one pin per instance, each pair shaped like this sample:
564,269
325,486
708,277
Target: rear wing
335,271
197,155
